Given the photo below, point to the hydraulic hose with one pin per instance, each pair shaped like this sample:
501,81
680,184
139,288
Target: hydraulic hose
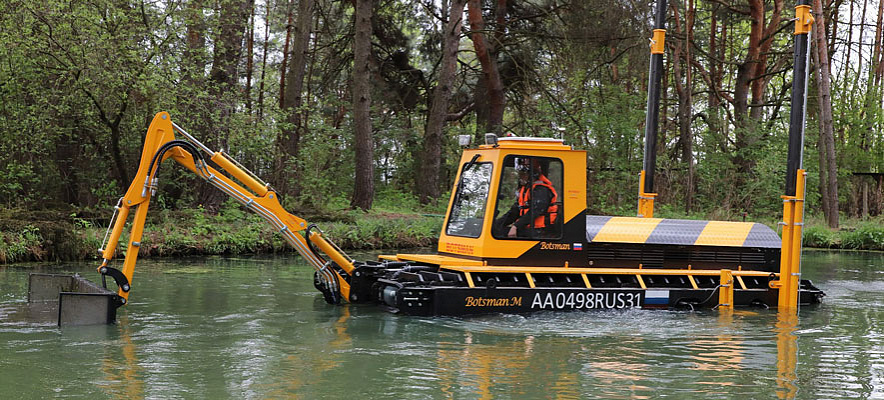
310,242
194,152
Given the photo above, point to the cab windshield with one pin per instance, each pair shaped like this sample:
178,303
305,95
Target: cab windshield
470,199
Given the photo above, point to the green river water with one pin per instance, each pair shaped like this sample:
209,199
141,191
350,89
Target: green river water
213,328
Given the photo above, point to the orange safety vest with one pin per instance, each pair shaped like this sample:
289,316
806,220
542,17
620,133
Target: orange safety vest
549,217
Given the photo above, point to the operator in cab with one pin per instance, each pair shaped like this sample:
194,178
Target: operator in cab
535,211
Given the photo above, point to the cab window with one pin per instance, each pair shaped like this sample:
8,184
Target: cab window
470,199
529,203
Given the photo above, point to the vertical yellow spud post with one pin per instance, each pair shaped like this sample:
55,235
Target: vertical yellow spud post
793,200
790,254
655,74
645,199
726,290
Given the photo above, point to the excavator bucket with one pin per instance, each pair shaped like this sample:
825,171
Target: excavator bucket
79,301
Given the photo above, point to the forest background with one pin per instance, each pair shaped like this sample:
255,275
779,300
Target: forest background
354,106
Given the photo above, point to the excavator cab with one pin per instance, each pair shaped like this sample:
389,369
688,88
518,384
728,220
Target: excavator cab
538,182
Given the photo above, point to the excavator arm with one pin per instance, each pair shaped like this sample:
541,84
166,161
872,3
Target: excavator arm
332,275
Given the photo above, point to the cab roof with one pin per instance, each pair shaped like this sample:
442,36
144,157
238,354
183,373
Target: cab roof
515,142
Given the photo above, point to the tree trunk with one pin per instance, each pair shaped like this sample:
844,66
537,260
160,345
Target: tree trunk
227,52
680,59
363,193
285,55
68,147
264,61
872,102
832,12
859,68
750,80
432,149
291,133
750,72
759,82
223,79
495,96
250,44
112,121
746,69
879,196
688,137
847,68
713,64
827,134
194,66
823,185
122,177
865,198
877,65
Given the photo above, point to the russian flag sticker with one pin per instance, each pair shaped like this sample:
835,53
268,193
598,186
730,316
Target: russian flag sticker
656,298
578,246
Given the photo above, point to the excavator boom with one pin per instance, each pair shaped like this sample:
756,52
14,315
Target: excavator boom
228,176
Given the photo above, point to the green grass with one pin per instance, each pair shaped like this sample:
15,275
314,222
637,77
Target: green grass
232,231
853,234
16,244
62,236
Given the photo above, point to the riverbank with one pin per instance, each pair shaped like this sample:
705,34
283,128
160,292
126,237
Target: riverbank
852,235
55,236
60,236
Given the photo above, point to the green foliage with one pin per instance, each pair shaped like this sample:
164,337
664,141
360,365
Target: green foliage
19,244
820,236
379,231
45,236
17,177
81,80
671,211
855,235
233,230
866,236
327,171
389,200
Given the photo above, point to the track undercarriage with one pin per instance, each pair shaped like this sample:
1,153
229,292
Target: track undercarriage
415,289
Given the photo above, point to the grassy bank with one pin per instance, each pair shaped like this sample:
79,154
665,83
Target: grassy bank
66,236
853,235
69,235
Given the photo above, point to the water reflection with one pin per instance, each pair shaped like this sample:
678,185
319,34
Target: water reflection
787,354
725,351
476,367
342,339
309,364
120,366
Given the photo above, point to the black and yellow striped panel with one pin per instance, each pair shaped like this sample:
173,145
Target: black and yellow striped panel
606,229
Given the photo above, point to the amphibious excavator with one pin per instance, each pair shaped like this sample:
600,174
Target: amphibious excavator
575,261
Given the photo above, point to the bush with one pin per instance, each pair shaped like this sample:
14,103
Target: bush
820,236
867,236
21,245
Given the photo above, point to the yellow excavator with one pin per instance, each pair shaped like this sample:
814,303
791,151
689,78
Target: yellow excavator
576,261
556,258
